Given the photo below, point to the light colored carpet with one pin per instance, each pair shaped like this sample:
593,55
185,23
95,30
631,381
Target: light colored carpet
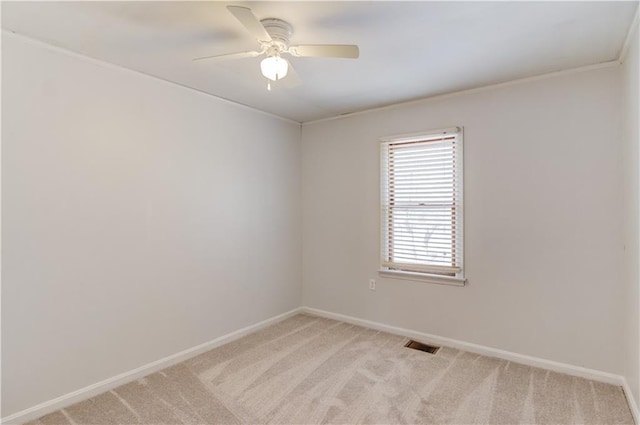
309,370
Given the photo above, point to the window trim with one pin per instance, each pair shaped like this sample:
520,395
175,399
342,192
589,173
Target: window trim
423,277
459,279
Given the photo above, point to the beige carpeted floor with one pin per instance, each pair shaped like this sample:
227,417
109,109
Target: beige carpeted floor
308,370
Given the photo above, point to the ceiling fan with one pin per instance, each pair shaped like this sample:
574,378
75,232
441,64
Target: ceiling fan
273,36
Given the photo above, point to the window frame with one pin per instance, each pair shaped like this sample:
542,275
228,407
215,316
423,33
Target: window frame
459,278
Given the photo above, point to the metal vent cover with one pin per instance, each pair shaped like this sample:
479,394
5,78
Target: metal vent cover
432,349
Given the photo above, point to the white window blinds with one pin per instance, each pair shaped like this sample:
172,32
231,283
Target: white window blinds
422,203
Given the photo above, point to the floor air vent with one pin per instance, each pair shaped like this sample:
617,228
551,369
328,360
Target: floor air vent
422,347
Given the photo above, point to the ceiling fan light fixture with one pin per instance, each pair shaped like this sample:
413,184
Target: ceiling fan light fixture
274,68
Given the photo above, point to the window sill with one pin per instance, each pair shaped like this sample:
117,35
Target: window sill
423,277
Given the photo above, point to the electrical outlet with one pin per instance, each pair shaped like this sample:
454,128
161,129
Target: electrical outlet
372,284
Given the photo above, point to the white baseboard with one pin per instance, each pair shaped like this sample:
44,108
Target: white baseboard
568,369
633,406
126,377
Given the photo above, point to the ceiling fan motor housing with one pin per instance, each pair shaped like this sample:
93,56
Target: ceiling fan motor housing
279,30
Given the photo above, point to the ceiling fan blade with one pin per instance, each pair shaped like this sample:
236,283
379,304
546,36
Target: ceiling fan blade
326,50
228,56
250,22
292,79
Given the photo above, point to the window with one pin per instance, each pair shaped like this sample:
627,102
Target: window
422,217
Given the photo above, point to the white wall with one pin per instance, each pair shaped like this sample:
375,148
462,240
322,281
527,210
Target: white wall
543,220
631,154
140,219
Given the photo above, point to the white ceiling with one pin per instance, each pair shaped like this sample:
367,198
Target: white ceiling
408,50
